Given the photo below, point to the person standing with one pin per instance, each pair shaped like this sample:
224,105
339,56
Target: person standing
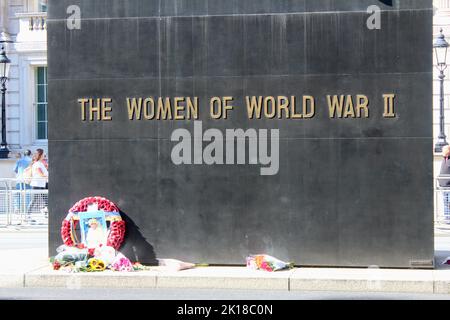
45,162
445,183
21,185
39,171
38,182
22,164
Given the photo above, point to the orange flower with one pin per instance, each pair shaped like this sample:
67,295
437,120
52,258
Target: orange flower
259,260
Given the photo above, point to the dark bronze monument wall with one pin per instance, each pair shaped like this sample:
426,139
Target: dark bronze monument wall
349,192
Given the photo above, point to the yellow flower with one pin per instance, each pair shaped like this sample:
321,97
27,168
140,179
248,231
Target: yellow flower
259,260
96,264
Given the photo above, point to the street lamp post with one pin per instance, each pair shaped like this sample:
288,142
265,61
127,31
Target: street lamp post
4,73
440,47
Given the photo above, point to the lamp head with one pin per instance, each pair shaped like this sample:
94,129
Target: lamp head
441,47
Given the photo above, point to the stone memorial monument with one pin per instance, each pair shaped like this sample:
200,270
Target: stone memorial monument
297,128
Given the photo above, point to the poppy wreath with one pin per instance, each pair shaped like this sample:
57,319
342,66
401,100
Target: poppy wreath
116,232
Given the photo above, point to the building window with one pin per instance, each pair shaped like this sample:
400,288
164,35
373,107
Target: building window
43,6
41,103
36,5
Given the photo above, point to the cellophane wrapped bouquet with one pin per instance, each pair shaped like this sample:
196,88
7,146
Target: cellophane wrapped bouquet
267,263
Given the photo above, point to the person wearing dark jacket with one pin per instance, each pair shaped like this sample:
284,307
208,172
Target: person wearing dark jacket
445,183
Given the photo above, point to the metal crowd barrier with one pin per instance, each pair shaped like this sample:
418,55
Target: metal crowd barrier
442,201
22,205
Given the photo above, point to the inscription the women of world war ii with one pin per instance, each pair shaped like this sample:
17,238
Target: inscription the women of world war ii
221,147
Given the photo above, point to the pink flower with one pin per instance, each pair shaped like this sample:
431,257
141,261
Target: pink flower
265,266
122,263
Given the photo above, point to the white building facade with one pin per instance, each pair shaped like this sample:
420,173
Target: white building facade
24,22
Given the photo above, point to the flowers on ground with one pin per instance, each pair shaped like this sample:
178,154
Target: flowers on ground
121,263
267,263
90,260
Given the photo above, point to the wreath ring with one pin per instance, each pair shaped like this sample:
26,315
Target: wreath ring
116,233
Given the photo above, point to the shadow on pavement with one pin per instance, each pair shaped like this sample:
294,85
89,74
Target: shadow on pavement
440,256
136,247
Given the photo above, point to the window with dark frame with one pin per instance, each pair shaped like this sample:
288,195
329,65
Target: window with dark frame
41,103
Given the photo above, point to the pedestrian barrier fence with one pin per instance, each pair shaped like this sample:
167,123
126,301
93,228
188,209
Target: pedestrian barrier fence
22,205
442,200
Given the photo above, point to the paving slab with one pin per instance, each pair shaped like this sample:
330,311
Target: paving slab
48,278
30,268
300,279
199,278
11,280
19,261
362,280
24,229
441,281
15,263
225,278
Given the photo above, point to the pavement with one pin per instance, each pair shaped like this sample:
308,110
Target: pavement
24,265
188,294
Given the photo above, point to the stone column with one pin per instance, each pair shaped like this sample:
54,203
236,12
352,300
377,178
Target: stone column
4,34
441,4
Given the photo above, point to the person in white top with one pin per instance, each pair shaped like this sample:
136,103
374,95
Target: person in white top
39,171
39,178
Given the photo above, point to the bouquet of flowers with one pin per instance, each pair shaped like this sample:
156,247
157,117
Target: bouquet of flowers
122,263
267,263
175,265
75,259
95,264
68,255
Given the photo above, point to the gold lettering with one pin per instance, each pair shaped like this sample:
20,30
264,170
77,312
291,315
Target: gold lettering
149,109
294,114
164,109
192,108
335,106
312,107
349,108
283,104
106,109
273,112
94,109
134,108
226,106
362,106
254,107
215,101
179,108
389,106
83,108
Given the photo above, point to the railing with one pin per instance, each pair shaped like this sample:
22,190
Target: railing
32,27
442,201
37,23
22,205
